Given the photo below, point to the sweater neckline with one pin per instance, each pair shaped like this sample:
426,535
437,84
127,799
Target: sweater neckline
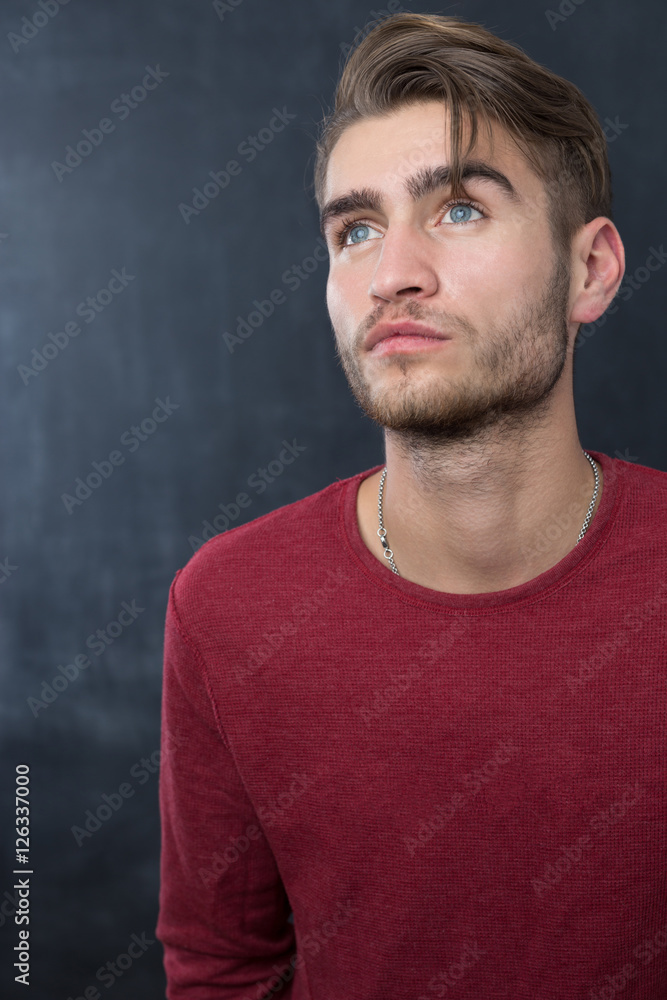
558,575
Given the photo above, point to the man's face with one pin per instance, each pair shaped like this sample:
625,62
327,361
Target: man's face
486,276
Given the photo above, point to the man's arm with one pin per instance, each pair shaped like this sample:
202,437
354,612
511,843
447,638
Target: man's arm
223,912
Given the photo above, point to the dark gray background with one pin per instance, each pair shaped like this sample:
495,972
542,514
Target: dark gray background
162,336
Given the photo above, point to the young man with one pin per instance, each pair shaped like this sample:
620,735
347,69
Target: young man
424,708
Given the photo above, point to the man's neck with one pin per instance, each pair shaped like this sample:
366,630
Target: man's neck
480,517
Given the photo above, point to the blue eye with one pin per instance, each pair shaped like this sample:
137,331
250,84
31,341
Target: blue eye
362,232
460,212
357,233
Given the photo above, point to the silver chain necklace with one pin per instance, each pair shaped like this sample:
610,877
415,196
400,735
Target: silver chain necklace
382,531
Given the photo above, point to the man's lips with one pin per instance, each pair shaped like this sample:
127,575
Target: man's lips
383,330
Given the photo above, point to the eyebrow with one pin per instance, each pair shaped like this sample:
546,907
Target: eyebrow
418,185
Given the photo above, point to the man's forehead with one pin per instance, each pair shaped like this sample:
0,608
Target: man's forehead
397,151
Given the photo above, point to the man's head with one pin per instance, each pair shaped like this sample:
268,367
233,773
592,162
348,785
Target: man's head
481,80
508,278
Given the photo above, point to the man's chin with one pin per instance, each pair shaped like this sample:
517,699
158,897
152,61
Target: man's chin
452,415
418,418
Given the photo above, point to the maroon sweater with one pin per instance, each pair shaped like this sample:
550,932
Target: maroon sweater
456,795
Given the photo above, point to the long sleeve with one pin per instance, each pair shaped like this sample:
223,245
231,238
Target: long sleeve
224,911
457,793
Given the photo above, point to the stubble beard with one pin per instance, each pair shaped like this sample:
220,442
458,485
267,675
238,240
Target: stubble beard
515,368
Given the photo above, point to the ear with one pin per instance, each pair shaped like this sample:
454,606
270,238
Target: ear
598,266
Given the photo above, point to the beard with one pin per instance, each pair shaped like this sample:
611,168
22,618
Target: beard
515,366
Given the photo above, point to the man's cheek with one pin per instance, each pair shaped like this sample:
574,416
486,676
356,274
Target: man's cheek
339,303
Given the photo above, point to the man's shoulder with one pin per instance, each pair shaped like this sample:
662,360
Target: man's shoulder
245,555
650,481
641,511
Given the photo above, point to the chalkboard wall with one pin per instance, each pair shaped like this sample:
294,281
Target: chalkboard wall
164,335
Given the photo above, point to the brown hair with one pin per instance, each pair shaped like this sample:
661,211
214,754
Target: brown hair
408,58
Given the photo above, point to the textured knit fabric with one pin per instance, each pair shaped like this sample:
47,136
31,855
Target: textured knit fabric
455,795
